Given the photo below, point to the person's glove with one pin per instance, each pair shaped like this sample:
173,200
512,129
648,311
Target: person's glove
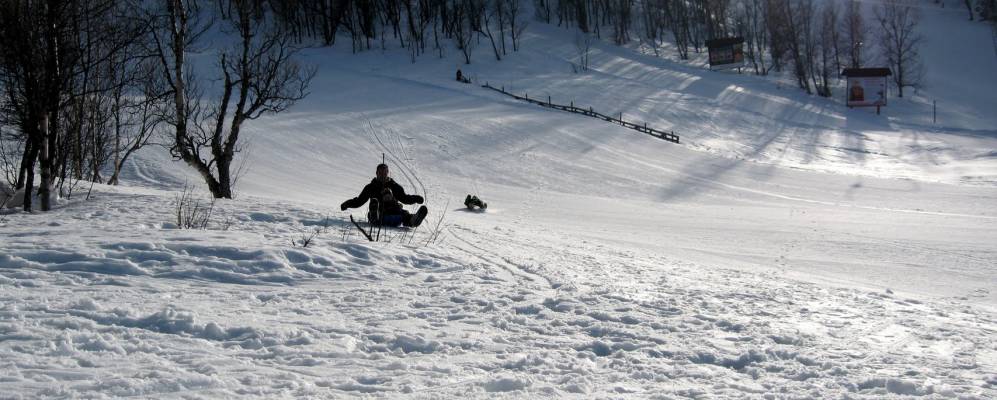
418,199
342,207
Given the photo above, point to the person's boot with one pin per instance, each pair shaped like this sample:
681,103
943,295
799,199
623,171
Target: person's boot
419,216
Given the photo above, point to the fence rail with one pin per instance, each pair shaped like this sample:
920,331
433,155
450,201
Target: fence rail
669,136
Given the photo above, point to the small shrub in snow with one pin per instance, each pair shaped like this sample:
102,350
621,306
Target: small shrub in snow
583,44
6,194
307,238
227,223
13,200
190,213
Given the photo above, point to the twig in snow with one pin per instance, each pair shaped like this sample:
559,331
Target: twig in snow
435,232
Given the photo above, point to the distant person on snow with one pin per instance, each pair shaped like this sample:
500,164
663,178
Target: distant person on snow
386,198
472,201
461,78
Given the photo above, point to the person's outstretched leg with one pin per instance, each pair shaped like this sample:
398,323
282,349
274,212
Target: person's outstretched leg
415,220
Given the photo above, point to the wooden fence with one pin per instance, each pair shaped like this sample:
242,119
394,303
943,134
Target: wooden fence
669,136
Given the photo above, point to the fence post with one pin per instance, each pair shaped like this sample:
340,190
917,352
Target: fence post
548,99
527,95
572,104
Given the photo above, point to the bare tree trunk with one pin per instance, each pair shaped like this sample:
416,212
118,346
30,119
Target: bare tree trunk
27,163
29,182
500,14
486,23
45,164
516,26
49,122
184,144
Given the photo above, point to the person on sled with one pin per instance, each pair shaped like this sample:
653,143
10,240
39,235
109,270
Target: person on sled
386,198
472,201
462,78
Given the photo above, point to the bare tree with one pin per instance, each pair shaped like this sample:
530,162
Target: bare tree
900,43
795,31
488,15
11,149
541,9
716,17
517,21
418,20
755,34
259,76
825,62
48,48
177,26
135,112
621,12
775,25
651,22
679,19
464,18
854,32
583,45
25,37
501,17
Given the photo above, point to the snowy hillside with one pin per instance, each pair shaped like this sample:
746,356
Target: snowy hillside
788,248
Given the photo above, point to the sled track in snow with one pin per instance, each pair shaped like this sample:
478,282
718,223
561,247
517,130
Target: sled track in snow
494,258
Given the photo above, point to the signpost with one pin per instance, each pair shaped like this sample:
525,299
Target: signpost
866,87
726,53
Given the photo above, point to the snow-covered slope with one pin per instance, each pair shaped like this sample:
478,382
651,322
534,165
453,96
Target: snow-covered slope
495,308
789,248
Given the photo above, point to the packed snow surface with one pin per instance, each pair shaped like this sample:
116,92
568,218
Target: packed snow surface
788,248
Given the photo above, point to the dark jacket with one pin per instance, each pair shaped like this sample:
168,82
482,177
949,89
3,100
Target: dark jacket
373,191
